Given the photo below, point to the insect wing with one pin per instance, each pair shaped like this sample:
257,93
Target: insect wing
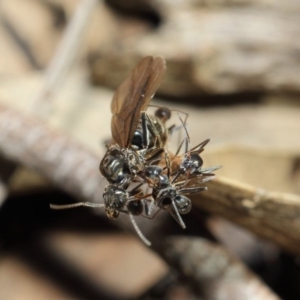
133,96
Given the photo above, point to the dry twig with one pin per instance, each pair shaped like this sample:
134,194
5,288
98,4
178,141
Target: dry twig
75,169
271,215
68,165
6,171
64,57
212,271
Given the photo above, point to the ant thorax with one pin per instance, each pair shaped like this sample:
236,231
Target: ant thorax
149,139
158,140
164,193
120,165
192,162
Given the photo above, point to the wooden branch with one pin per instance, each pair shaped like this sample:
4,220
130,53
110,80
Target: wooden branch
54,155
216,47
60,159
274,216
7,169
212,271
74,168
63,59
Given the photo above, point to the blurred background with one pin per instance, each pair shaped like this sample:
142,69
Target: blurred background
232,65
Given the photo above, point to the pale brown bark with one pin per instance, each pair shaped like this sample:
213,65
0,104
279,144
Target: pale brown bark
212,270
274,216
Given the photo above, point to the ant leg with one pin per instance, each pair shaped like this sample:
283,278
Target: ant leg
138,197
200,176
138,231
180,146
145,129
166,157
156,156
187,176
126,182
135,188
193,190
181,169
73,205
152,217
187,154
200,146
185,129
175,214
149,207
168,164
186,139
152,129
179,172
182,112
208,178
174,128
176,174
211,169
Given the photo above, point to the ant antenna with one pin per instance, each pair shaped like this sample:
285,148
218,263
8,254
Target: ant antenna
186,140
210,169
184,126
200,146
73,205
136,187
182,112
180,146
138,231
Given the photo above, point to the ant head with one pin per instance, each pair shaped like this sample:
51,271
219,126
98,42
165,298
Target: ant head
115,199
163,113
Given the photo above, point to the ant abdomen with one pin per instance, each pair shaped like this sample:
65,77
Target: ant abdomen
183,203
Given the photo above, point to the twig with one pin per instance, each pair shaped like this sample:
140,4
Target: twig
274,216
3,191
75,169
212,271
63,59
7,169
70,166
57,157
19,40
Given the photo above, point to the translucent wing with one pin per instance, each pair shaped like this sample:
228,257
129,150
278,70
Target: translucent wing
133,96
